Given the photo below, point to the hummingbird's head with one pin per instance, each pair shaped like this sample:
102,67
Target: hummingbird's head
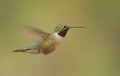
61,29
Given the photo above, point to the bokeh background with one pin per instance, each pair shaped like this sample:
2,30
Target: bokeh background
92,51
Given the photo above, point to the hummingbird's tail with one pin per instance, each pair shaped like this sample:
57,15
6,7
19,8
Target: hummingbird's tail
32,51
20,50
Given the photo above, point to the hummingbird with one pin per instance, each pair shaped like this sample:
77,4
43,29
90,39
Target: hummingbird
46,43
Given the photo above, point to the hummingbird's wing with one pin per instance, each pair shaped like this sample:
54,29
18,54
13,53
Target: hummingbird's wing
32,33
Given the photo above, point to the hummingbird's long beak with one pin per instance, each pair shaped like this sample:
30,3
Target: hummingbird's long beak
76,27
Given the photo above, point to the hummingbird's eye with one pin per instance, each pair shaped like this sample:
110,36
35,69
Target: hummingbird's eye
64,26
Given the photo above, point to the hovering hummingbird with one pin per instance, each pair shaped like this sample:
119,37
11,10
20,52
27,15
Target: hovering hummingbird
45,42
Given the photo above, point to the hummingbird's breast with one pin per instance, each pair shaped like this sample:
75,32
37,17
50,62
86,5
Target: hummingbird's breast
58,38
51,44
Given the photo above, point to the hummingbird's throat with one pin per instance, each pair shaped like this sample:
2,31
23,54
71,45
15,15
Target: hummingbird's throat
63,32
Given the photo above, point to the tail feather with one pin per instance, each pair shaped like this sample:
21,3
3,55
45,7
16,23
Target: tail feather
32,51
20,50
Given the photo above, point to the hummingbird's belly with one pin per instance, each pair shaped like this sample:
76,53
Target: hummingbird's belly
51,49
50,45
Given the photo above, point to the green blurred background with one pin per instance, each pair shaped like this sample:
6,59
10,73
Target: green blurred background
93,51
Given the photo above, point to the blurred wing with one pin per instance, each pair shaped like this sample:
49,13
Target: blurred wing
32,33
